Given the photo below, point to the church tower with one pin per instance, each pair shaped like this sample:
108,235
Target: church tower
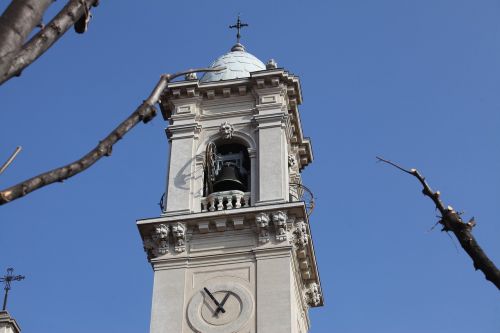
232,250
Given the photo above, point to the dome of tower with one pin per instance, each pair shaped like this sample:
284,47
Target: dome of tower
238,64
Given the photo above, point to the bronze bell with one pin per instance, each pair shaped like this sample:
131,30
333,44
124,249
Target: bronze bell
228,179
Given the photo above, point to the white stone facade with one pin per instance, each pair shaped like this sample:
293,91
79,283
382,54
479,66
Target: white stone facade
251,248
263,116
266,251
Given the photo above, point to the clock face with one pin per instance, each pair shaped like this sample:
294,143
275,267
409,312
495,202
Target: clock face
220,307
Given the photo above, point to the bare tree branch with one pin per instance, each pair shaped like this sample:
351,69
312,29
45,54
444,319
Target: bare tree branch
16,23
11,158
45,38
145,112
452,221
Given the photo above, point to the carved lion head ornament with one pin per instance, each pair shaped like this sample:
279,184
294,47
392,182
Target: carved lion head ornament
227,130
159,232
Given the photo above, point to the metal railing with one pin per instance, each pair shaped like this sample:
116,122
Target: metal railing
299,192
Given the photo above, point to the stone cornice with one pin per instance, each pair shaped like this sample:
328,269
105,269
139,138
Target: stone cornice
173,263
183,131
277,227
269,253
218,259
238,87
224,115
273,89
297,207
270,120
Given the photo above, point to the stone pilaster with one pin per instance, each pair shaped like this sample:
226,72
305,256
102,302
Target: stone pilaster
182,166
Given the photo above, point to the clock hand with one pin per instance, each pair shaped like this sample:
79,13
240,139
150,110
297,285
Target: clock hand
219,307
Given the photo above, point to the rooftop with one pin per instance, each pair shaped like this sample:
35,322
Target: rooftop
238,64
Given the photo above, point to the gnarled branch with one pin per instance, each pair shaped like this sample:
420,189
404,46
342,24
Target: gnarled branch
16,23
452,221
145,112
46,37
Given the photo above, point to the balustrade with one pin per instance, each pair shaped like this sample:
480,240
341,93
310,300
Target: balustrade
225,200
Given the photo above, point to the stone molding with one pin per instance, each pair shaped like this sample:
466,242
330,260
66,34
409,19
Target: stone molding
183,131
272,89
252,152
276,227
277,119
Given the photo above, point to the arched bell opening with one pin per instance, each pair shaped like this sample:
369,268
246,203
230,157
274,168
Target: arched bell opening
227,167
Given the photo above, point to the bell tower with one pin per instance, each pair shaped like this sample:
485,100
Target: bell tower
232,250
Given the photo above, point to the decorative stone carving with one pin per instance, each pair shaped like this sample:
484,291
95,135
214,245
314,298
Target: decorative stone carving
226,129
179,234
157,243
149,247
160,237
190,76
279,221
312,294
301,238
271,64
262,222
292,160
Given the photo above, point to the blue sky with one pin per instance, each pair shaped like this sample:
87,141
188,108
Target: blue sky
413,81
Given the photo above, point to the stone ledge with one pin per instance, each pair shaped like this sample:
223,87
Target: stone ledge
192,217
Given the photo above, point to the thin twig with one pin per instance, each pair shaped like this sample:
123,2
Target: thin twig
11,159
380,159
427,190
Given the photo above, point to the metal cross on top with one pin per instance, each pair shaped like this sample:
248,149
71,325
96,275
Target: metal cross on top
7,279
238,26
